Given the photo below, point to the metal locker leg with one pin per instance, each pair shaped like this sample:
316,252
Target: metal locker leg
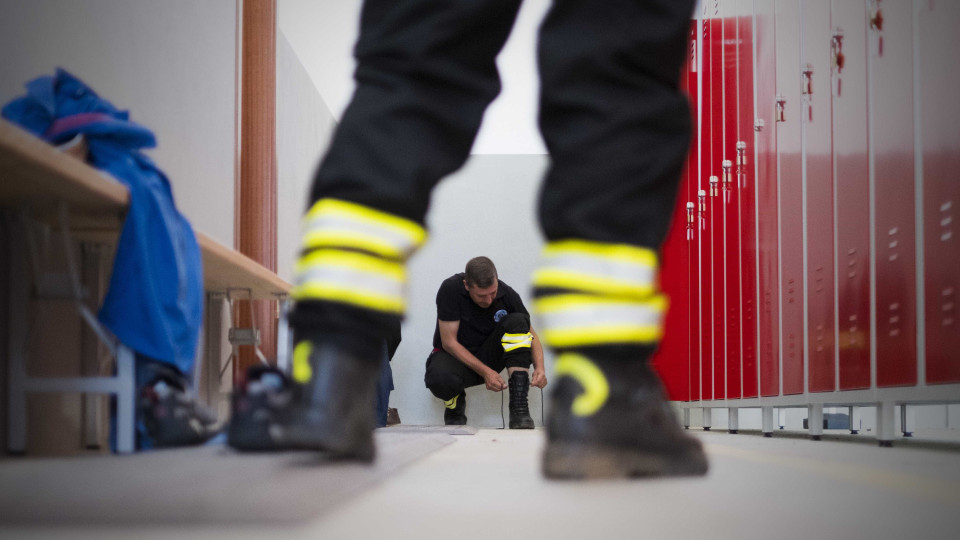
707,419
815,420
886,423
766,415
733,420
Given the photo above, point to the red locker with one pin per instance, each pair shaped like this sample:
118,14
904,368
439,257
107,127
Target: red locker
746,191
716,224
816,125
731,202
705,245
852,185
693,230
767,205
789,109
940,136
891,130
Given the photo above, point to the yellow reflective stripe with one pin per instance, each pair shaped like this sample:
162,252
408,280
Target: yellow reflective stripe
565,279
380,227
579,320
328,238
580,302
333,293
354,261
619,252
451,403
354,278
512,342
596,389
302,372
602,335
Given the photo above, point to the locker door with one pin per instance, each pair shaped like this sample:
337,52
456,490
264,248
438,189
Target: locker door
693,230
705,244
818,192
890,72
852,184
672,360
746,186
765,170
940,136
791,194
716,211
731,202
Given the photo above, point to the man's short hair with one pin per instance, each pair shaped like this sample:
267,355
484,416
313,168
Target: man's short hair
480,272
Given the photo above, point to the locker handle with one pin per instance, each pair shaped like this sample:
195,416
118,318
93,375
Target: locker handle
837,58
876,24
741,154
714,186
781,105
806,84
690,220
702,196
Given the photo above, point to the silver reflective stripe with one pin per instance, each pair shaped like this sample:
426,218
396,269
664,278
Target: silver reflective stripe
591,272
599,315
346,231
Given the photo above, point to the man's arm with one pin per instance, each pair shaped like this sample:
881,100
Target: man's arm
539,376
448,338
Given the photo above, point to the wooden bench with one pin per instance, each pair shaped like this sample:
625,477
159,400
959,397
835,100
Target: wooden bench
41,183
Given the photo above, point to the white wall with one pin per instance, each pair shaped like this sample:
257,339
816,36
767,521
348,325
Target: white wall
304,126
323,33
172,64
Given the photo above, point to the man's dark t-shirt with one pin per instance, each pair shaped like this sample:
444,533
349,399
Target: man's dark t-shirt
476,323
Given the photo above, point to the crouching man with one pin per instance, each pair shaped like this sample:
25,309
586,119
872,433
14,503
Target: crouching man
482,328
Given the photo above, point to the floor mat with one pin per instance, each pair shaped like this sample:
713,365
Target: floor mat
211,484
450,430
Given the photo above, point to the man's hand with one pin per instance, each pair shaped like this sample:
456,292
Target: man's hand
494,381
538,379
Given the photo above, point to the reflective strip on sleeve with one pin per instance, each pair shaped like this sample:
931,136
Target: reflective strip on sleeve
608,269
513,342
354,278
342,224
581,320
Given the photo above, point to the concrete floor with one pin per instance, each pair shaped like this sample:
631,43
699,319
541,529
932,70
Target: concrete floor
488,486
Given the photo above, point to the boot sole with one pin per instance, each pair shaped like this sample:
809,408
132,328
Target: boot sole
586,461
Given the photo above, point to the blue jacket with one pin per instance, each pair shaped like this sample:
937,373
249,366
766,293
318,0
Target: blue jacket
154,303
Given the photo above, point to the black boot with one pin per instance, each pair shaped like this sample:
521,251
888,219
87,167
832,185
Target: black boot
264,399
610,419
455,412
335,410
519,384
171,414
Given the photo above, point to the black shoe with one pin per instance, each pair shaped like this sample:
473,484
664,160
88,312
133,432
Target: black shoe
263,399
334,412
455,413
519,385
610,419
172,416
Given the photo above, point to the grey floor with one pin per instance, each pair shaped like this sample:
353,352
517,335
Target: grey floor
488,485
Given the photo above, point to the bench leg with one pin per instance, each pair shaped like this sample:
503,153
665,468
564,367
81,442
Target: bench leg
126,400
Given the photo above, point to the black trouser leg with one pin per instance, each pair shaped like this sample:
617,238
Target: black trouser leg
613,118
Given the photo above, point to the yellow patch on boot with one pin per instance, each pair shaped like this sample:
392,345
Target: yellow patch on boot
451,403
596,389
302,372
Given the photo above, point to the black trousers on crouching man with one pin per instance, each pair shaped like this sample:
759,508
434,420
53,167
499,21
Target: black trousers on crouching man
447,377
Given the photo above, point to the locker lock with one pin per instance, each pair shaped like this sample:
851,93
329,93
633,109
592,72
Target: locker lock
758,125
836,50
690,208
876,18
727,174
714,186
779,114
741,154
806,84
702,196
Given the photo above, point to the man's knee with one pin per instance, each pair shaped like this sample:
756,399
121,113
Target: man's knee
443,384
516,323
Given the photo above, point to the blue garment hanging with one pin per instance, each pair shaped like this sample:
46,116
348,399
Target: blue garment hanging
154,303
